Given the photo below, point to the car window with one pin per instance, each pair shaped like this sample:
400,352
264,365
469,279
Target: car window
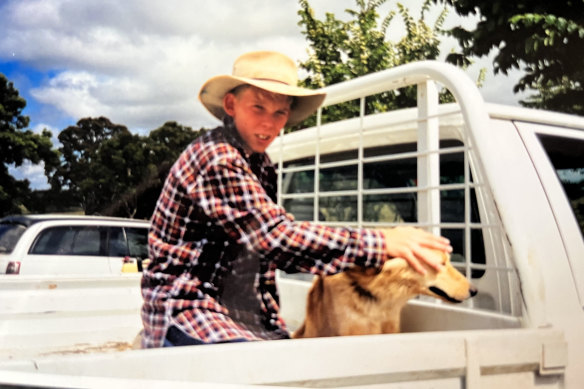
88,240
567,157
137,242
71,240
117,246
9,235
53,241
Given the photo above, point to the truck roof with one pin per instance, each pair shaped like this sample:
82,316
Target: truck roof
403,121
508,112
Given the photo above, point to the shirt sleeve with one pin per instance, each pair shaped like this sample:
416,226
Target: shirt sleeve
231,194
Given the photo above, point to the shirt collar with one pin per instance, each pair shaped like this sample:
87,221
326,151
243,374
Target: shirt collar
233,137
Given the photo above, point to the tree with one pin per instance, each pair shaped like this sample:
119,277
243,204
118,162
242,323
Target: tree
108,170
121,165
541,37
167,143
18,145
339,51
80,172
144,165
169,140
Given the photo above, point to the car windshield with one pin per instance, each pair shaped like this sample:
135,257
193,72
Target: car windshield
9,235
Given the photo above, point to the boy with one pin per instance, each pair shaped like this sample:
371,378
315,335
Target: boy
217,234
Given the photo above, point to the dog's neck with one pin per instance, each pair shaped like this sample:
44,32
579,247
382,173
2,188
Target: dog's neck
398,280
363,292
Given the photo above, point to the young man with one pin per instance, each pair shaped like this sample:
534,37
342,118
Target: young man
217,234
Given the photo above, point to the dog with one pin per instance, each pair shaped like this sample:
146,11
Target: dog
366,301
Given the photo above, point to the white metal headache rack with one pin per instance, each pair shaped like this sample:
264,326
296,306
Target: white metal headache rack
430,122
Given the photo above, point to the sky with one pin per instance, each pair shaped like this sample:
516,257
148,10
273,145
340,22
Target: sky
140,63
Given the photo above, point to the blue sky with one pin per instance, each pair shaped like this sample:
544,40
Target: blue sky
141,62
26,78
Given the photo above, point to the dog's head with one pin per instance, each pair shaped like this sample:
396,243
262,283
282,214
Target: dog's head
447,284
398,281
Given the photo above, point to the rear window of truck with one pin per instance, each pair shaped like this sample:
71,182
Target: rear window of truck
567,158
397,180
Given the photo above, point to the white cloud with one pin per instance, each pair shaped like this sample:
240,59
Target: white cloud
40,127
71,92
141,62
35,174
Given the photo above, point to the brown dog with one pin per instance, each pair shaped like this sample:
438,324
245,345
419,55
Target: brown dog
369,301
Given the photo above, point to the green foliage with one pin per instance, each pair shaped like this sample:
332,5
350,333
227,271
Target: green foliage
17,145
147,162
80,171
169,140
101,167
542,37
108,170
342,50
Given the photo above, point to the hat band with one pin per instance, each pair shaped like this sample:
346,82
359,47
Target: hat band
271,79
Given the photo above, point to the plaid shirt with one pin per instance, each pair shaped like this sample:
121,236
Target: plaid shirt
217,209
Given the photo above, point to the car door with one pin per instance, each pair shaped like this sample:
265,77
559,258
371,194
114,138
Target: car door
77,249
558,156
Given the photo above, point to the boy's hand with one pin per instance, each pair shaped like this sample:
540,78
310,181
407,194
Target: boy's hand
412,243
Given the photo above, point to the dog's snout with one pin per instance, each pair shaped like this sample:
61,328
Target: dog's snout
473,291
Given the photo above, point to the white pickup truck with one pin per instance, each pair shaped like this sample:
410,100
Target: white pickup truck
505,184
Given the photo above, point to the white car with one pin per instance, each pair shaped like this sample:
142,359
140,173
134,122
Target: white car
69,244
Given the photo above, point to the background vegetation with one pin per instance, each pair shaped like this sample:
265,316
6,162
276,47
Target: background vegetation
100,167
543,38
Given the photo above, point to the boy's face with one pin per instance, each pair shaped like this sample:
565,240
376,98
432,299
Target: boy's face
258,115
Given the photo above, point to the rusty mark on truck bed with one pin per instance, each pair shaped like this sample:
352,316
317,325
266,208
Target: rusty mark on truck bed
86,348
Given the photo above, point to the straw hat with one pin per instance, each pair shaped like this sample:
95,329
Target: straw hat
267,70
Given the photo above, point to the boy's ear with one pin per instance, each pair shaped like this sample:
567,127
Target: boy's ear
228,103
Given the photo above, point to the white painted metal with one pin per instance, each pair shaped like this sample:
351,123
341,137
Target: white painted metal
473,356
509,192
428,161
360,158
531,339
426,126
47,314
568,226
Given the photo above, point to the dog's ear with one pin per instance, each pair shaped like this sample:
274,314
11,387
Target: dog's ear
446,258
362,274
363,271
372,271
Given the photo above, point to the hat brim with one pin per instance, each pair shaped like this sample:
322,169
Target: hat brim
306,102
